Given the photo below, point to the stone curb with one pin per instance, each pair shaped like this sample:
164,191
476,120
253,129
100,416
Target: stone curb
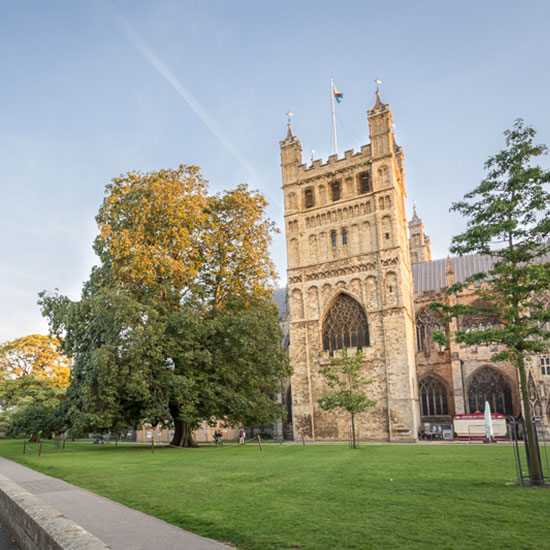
37,526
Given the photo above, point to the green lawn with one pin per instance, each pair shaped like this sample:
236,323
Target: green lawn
316,497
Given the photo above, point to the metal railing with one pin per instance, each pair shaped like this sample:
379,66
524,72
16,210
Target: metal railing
522,453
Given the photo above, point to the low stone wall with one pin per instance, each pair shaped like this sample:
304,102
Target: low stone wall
37,526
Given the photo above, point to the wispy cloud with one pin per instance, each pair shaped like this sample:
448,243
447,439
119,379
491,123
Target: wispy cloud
135,38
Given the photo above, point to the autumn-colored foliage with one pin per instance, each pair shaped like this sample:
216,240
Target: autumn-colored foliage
149,227
35,356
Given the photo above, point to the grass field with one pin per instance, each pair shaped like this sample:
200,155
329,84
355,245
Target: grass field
318,496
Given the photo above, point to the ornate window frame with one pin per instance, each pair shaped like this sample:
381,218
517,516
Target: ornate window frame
344,325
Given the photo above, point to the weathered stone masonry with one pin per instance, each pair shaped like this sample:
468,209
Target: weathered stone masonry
347,235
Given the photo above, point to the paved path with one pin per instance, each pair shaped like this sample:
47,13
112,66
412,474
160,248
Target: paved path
116,525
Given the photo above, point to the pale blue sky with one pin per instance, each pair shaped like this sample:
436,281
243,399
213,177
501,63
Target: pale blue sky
93,89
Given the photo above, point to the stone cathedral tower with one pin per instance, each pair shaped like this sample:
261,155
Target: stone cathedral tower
350,282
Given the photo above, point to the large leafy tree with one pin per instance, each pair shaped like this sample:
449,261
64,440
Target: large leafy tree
508,219
347,387
177,321
34,375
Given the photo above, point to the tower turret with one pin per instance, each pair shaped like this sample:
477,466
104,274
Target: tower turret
419,242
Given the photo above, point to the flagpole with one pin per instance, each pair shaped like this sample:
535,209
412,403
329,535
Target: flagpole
333,115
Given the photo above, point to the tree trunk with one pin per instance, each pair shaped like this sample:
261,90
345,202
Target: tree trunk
34,438
353,444
530,438
183,431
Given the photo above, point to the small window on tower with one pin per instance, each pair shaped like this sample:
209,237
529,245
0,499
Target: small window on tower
333,238
344,237
364,182
335,190
308,195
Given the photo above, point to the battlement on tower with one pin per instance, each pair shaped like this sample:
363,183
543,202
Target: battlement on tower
336,160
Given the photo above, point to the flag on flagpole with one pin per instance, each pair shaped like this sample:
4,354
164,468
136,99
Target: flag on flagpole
338,95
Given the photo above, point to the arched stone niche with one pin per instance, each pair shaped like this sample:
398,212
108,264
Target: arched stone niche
322,194
326,293
313,253
312,302
390,288
291,201
356,288
294,253
297,304
371,292
366,237
387,232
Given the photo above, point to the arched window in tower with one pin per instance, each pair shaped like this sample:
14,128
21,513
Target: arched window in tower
345,325
426,323
308,198
335,190
344,237
489,385
364,182
433,397
333,239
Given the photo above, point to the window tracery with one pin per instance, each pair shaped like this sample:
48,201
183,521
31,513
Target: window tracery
482,320
345,325
433,397
364,182
426,322
335,191
545,365
308,198
489,385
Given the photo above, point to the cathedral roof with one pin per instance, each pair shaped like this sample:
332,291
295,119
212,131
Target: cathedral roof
432,275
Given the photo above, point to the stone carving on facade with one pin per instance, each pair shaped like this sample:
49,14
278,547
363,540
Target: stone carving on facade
389,261
339,272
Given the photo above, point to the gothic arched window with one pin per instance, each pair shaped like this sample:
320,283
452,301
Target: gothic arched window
426,323
335,190
433,397
489,385
308,198
484,319
364,182
345,325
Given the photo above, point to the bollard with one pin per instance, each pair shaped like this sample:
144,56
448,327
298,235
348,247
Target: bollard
303,440
40,449
260,442
24,447
64,443
153,446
